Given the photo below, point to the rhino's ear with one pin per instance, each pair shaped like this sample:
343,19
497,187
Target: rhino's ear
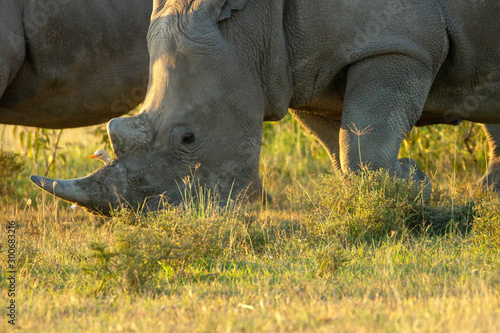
222,8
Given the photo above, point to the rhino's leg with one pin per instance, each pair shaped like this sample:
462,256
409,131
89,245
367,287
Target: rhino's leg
384,98
12,46
325,130
492,176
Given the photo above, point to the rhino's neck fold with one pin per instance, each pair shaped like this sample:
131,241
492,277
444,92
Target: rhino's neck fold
246,32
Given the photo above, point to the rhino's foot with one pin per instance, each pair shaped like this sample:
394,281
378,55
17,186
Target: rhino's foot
491,180
409,169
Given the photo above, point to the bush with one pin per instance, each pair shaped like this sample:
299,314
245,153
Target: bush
164,245
362,206
330,259
11,164
486,226
371,205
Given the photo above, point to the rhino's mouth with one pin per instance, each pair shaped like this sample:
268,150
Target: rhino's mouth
118,184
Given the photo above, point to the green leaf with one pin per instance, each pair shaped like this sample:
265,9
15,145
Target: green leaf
21,138
62,156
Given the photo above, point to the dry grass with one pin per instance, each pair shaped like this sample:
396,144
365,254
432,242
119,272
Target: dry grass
327,257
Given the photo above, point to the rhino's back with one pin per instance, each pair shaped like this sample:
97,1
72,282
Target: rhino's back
86,62
326,38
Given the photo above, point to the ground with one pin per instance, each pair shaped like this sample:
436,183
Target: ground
353,254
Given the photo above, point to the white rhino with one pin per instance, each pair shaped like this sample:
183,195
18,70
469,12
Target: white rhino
219,68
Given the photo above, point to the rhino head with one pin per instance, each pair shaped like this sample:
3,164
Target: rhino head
202,116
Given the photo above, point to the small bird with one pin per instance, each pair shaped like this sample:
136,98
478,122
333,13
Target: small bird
101,155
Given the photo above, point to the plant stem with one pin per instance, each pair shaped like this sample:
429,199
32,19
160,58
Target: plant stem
53,153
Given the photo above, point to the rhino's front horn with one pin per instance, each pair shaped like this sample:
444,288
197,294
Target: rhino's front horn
81,191
69,190
99,192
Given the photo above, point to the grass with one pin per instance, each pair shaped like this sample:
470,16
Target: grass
350,254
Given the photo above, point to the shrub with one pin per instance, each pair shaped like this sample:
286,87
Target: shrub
164,245
362,206
486,227
11,164
330,258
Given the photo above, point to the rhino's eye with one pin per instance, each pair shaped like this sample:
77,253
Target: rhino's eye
188,138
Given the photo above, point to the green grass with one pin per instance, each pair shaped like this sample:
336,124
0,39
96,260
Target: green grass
349,254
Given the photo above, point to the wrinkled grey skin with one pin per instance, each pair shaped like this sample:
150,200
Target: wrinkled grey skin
219,68
68,63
